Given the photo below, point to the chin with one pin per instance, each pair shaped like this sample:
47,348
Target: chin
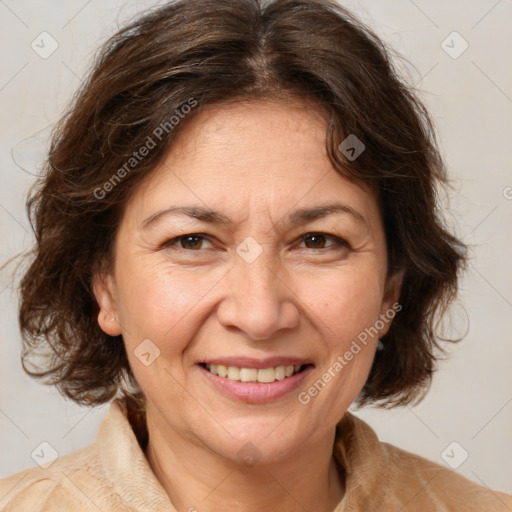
249,441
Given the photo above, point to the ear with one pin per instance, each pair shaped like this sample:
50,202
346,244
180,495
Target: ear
390,305
104,291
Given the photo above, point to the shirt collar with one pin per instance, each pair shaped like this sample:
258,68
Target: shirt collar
125,464
357,451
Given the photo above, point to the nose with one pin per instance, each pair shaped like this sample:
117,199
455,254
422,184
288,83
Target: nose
258,302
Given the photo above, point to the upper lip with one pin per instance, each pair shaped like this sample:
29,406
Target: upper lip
250,362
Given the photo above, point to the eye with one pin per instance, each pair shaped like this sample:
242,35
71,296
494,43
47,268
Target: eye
194,241
317,241
190,242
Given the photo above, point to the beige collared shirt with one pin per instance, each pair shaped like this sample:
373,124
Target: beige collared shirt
113,474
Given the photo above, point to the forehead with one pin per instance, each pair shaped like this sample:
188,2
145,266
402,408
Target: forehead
253,157
256,132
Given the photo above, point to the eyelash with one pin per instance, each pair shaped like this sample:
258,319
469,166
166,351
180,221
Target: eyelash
338,241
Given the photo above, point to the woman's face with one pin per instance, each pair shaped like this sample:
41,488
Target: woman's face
248,290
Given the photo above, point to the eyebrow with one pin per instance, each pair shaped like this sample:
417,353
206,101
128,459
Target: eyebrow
297,217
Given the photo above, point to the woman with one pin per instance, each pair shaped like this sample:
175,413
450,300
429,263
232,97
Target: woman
237,238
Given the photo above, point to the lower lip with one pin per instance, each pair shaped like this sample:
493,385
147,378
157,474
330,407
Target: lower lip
256,392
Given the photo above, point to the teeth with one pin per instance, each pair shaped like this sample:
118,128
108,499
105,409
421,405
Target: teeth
234,373
264,375
248,374
280,373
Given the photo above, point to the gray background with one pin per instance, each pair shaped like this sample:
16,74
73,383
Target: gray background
470,97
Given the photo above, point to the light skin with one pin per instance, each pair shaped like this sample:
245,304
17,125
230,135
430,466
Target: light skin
256,163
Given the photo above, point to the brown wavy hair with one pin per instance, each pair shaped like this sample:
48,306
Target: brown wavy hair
213,52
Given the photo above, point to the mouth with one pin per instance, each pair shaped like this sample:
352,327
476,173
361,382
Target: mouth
256,381
262,375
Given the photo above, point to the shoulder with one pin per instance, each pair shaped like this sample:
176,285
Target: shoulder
99,476
59,487
420,484
380,476
112,473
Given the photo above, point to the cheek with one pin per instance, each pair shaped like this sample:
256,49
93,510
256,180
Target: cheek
155,302
346,308
165,307
346,301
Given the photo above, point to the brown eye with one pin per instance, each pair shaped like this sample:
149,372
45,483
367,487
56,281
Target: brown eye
318,241
191,242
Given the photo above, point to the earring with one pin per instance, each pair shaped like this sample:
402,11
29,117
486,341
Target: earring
380,345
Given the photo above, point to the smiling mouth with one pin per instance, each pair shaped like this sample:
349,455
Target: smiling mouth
261,375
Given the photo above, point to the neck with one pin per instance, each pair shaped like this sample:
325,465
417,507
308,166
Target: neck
195,478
